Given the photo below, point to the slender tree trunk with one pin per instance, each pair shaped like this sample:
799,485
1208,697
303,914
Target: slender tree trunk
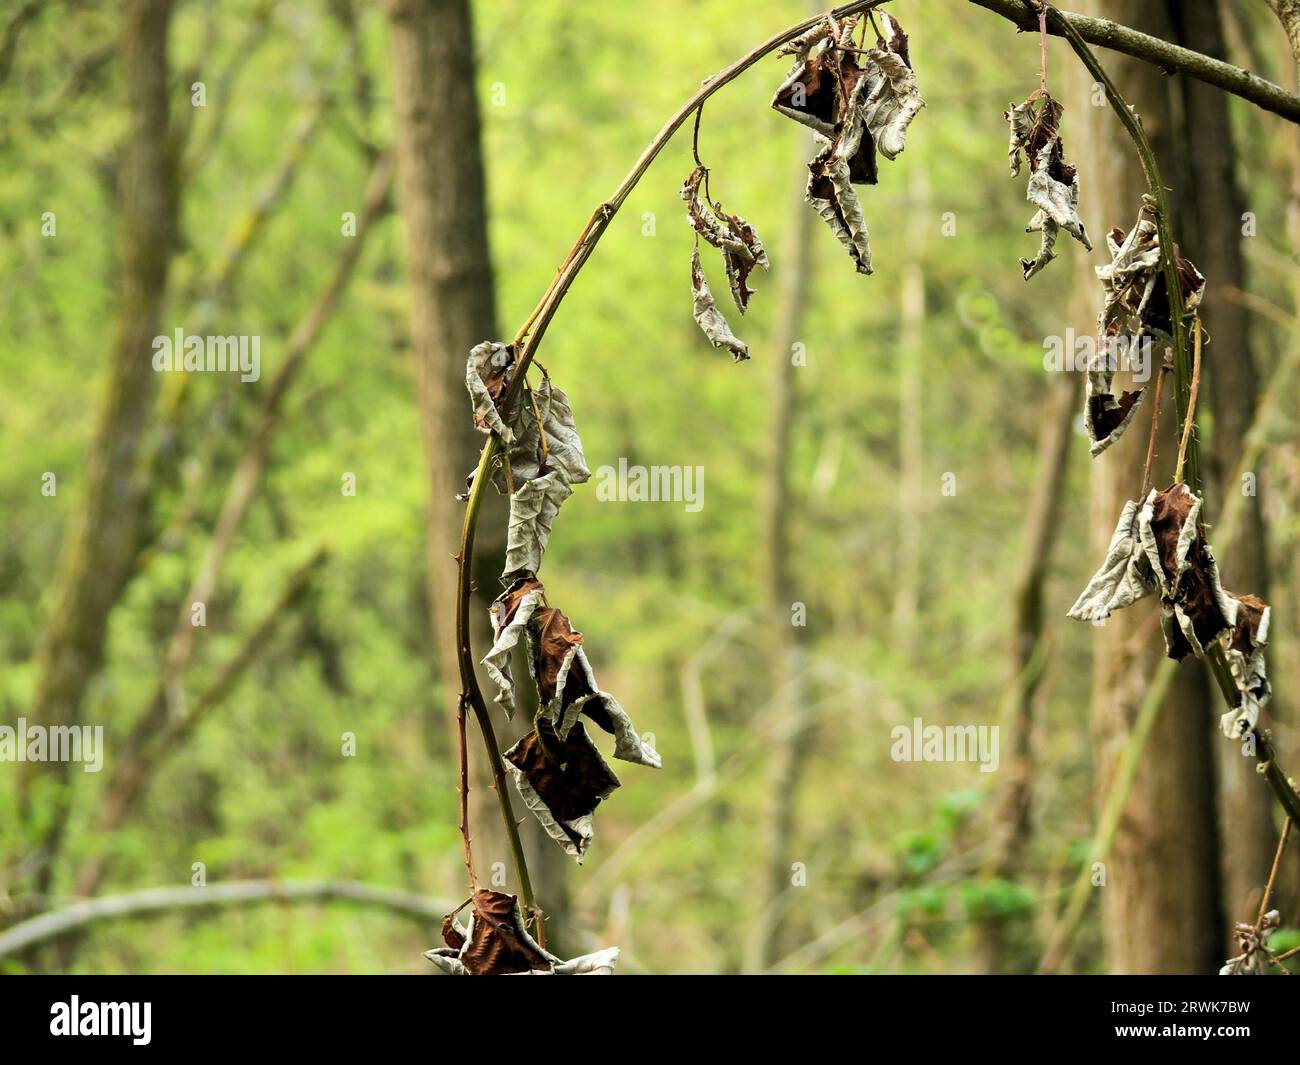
104,533
1211,221
1160,901
444,210
452,298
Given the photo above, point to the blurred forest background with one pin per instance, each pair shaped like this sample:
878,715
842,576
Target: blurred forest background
780,835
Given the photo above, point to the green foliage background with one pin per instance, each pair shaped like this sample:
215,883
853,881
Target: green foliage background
570,94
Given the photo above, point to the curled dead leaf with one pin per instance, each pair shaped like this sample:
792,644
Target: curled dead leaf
562,781
487,375
1125,576
1194,608
1053,183
707,315
495,942
1245,653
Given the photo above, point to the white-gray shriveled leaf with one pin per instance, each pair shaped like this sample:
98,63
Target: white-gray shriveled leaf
1245,653
707,315
1021,119
1133,283
532,510
511,612
1053,183
805,42
831,194
486,375
555,446
1106,416
1253,959
891,101
1057,205
1124,577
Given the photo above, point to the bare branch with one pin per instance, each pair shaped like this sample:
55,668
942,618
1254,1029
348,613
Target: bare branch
153,902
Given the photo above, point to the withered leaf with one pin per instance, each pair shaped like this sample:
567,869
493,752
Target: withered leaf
562,781
538,447
1105,417
707,315
1253,944
486,376
892,98
1124,577
734,237
831,194
552,444
567,687
496,942
1245,653
859,103
1133,282
810,93
1194,608
511,612
1053,183
532,510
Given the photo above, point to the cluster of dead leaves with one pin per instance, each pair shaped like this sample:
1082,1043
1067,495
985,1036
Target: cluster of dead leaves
859,103
1135,305
1053,183
1160,546
741,250
542,457
561,775
495,942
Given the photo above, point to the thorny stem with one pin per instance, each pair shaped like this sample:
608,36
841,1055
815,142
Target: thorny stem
464,792
1151,441
1042,51
470,691
526,343
1272,876
1189,422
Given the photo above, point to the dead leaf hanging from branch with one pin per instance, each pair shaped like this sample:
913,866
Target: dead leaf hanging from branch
562,781
495,942
1245,654
1124,577
859,103
1053,183
707,315
1194,609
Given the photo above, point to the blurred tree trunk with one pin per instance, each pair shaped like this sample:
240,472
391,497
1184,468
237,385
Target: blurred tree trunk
452,302
1160,903
1011,818
104,532
786,654
1210,222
